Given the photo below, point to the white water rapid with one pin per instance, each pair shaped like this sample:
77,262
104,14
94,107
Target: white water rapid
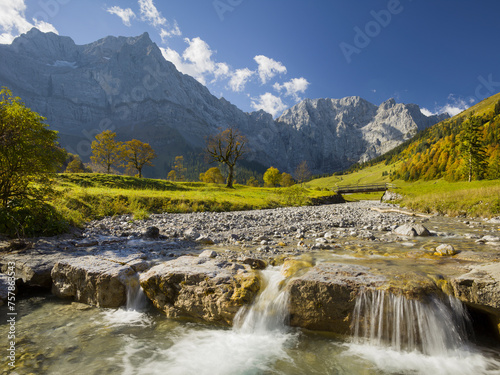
400,335
257,340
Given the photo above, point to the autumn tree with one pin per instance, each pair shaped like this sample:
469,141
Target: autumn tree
29,156
106,151
287,180
252,181
472,149
272,177
226,147
137,155
171,175
76,165
28,151
302,173
180,170
212,176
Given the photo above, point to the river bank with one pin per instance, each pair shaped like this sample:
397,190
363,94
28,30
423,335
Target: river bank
205,266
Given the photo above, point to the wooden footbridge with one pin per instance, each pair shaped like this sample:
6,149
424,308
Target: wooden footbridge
370,188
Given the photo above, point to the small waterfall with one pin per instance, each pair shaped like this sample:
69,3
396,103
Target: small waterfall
432,327
269,312
136,299
258,339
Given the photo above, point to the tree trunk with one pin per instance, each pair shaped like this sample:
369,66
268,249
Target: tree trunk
230,177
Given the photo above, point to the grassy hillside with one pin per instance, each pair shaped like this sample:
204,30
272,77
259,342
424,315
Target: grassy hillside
84,197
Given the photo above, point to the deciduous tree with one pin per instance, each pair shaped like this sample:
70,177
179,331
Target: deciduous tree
137,154
227,147
212,176
28,151
272,177
106,151
302,173
287,180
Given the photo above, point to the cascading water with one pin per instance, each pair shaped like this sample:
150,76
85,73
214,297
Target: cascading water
257,340
435,327
269,312
402,335
134,313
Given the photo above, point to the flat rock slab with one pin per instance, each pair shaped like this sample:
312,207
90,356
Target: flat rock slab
202,289
324,297
33,266
480,287
92,280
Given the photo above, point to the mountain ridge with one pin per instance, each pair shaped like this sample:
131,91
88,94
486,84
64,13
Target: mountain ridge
125,84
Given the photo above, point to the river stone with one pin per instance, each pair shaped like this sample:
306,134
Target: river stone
200,288
151,232
412,230
391,196
208,254
324,297
92,280
445,250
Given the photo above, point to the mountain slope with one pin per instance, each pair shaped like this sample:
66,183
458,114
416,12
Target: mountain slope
435,152
126,85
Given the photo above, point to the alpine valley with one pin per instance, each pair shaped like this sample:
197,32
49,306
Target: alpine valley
127,86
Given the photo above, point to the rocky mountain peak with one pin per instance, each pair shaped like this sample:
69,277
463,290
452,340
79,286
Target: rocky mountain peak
125,84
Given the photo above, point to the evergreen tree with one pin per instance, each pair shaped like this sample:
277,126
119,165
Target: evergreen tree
472,149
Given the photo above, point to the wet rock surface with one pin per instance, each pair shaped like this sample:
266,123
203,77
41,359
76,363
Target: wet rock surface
330,252
92,280
323,298
200,288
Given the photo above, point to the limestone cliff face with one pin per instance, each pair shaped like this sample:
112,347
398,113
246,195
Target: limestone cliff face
126,85
335,133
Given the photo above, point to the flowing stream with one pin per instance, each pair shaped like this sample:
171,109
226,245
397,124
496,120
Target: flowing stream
391,335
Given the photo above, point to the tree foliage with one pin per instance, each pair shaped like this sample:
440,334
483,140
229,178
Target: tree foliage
226,147
137,155
179,168
212,176
272,177
472,149
287,180
106,151
29,154
302,173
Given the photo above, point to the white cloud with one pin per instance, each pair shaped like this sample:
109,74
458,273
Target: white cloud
125,14
268,68
453,107
196,60
13,21
293,87
150,13
239,79
269,103
170,32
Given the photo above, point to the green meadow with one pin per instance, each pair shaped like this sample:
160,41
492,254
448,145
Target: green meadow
80,198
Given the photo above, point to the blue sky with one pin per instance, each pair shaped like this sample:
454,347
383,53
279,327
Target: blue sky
269,54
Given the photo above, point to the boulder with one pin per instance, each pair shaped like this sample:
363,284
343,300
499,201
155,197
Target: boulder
151,232
412,230
324,297
201,289
391,196
92,280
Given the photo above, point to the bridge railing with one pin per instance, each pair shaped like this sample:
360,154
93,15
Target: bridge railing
345,189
